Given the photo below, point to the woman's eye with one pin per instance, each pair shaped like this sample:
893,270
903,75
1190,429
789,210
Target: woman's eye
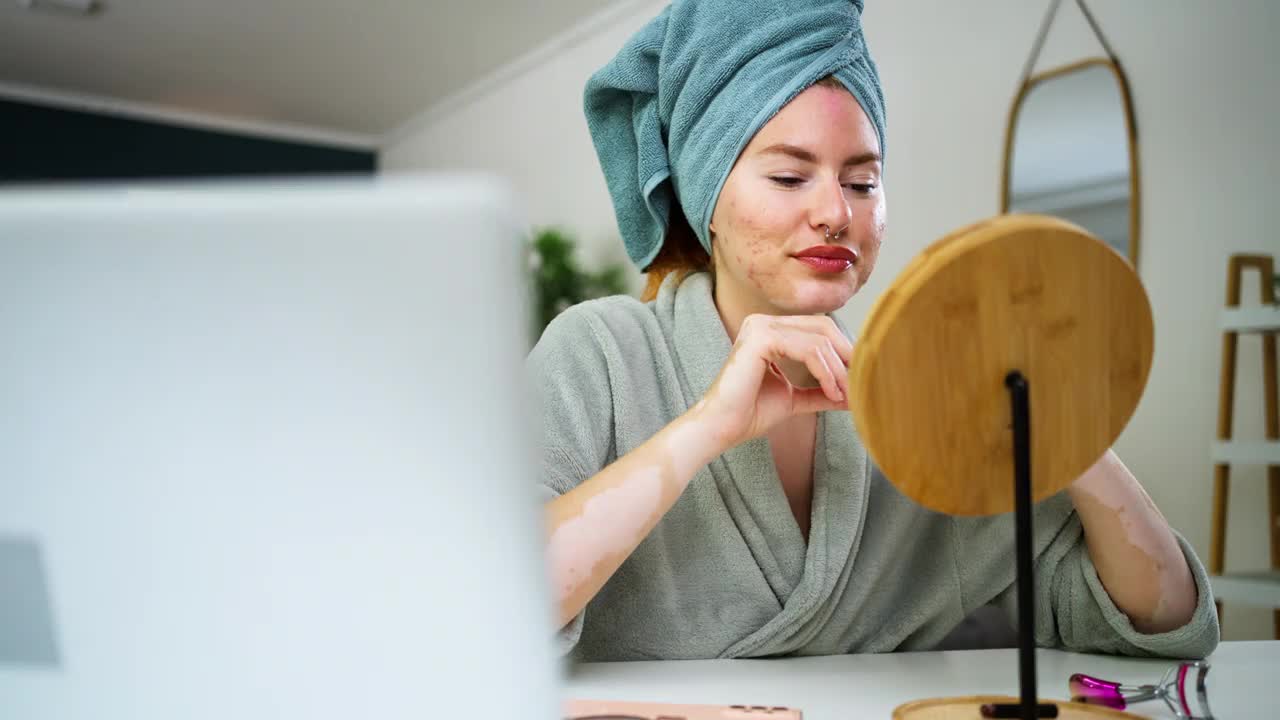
861,188
789,182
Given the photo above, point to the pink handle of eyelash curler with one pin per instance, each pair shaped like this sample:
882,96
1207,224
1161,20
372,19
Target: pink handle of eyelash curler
1182,689
1091,690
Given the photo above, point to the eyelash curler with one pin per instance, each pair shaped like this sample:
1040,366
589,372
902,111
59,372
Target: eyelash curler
1187,702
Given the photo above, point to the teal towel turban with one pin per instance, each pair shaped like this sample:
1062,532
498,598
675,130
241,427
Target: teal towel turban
671,113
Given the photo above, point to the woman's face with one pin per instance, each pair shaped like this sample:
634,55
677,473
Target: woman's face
813,169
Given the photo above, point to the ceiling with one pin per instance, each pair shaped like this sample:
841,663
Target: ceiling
357,68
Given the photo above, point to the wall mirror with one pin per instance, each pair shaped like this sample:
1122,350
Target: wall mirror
1071,151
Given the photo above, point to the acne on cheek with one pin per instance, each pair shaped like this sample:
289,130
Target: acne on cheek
748,267
759,244
876,221
610,523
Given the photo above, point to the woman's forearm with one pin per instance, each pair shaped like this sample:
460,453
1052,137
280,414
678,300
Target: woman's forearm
596,526
1134,550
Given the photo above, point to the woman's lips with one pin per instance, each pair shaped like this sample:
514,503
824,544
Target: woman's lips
828,258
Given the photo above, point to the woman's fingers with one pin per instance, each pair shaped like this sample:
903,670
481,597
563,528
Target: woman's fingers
819,363
822,325
762,344
813,400
818,356
839,367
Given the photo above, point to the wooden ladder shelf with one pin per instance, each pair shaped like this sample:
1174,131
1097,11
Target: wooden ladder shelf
1259,588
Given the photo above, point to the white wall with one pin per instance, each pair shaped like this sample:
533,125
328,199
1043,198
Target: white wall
532,130
1203,81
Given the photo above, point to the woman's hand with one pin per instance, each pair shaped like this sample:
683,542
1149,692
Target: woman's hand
752,395
597,525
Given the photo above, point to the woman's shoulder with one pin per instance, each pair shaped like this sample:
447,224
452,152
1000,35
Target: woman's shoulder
614,322
595,350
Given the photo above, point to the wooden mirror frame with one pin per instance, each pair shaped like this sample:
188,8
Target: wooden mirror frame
1131,129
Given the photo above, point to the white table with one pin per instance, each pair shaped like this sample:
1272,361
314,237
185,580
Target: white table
1244,681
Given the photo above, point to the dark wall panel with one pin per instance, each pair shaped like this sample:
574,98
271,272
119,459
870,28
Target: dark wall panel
39,143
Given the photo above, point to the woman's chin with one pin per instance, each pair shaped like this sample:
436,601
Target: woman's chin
817,296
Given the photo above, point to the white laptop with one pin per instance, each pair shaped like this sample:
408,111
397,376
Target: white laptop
263,455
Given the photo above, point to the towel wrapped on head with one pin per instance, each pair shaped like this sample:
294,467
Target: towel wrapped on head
670,114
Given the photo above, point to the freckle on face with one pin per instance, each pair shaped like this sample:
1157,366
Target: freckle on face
759,233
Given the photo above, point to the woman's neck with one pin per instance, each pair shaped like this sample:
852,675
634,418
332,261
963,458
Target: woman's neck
734,305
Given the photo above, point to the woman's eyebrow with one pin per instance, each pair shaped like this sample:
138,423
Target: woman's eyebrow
803,155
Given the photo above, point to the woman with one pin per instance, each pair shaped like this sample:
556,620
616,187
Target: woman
707,495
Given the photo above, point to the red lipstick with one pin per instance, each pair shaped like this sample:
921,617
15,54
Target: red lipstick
828,258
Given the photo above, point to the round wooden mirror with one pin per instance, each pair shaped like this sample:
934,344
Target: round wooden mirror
1016,292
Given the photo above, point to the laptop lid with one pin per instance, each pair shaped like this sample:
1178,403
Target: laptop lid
263,454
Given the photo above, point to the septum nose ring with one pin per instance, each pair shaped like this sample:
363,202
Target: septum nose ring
826,229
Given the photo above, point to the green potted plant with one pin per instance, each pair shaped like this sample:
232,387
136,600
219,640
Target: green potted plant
560,282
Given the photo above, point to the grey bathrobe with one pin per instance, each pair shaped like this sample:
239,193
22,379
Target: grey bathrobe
726,573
